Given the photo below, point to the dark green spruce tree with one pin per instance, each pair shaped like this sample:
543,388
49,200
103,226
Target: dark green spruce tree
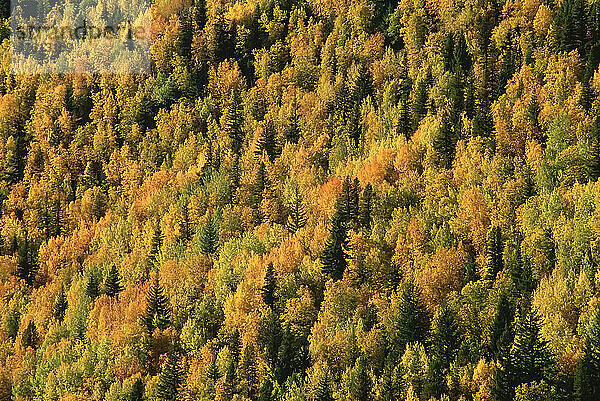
137,391
60,305
209,237
529,359
92,287
268,289
587,375
494,249
30,336
170,379
112,285
335,255
411,324
157,313
297,215
27,265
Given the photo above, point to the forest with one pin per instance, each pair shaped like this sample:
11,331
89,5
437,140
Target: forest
310,200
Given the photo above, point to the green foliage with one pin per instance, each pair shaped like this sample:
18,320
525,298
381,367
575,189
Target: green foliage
170,378
157,308
60,305
112,283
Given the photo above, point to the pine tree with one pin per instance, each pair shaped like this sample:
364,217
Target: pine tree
292,131
157,313
335,256
347,202
297,215
209,237
157,239
137,391
268,289
247,372
267,141
445,337
529,359
411,324
571,25
360,389
495,246
92,287
27,266
260,183
14,159
112,285
30,336
502,331
60,305
587,375
365,207
170,379
233,122
444,143
323,390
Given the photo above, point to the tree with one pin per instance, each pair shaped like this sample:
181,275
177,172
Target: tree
112,284
445,337
347,203
60,305
365,207
209,237
170,378
411,321
233,122
268,289
502,333
494,262
335,255
267,141
323,390
587,375
14,159
92,287
529,359
137,391
297,215
157,313
571,25
27,266
247,373
30,336
157,239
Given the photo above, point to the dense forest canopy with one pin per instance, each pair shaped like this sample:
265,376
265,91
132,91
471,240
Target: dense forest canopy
310,200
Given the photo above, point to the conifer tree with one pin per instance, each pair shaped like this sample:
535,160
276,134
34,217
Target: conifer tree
209,237
260,183
335,256
587,375
157,313
14,160
502,333
247,372
30,336
268,289
571,25
411,324
170,379
155,245
292,130
92,287
323,389
27,266
235,175
529,359
233,122
495,246
60,305
267,141
347,202
112,284
365,207
445,337
297,215
137,391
